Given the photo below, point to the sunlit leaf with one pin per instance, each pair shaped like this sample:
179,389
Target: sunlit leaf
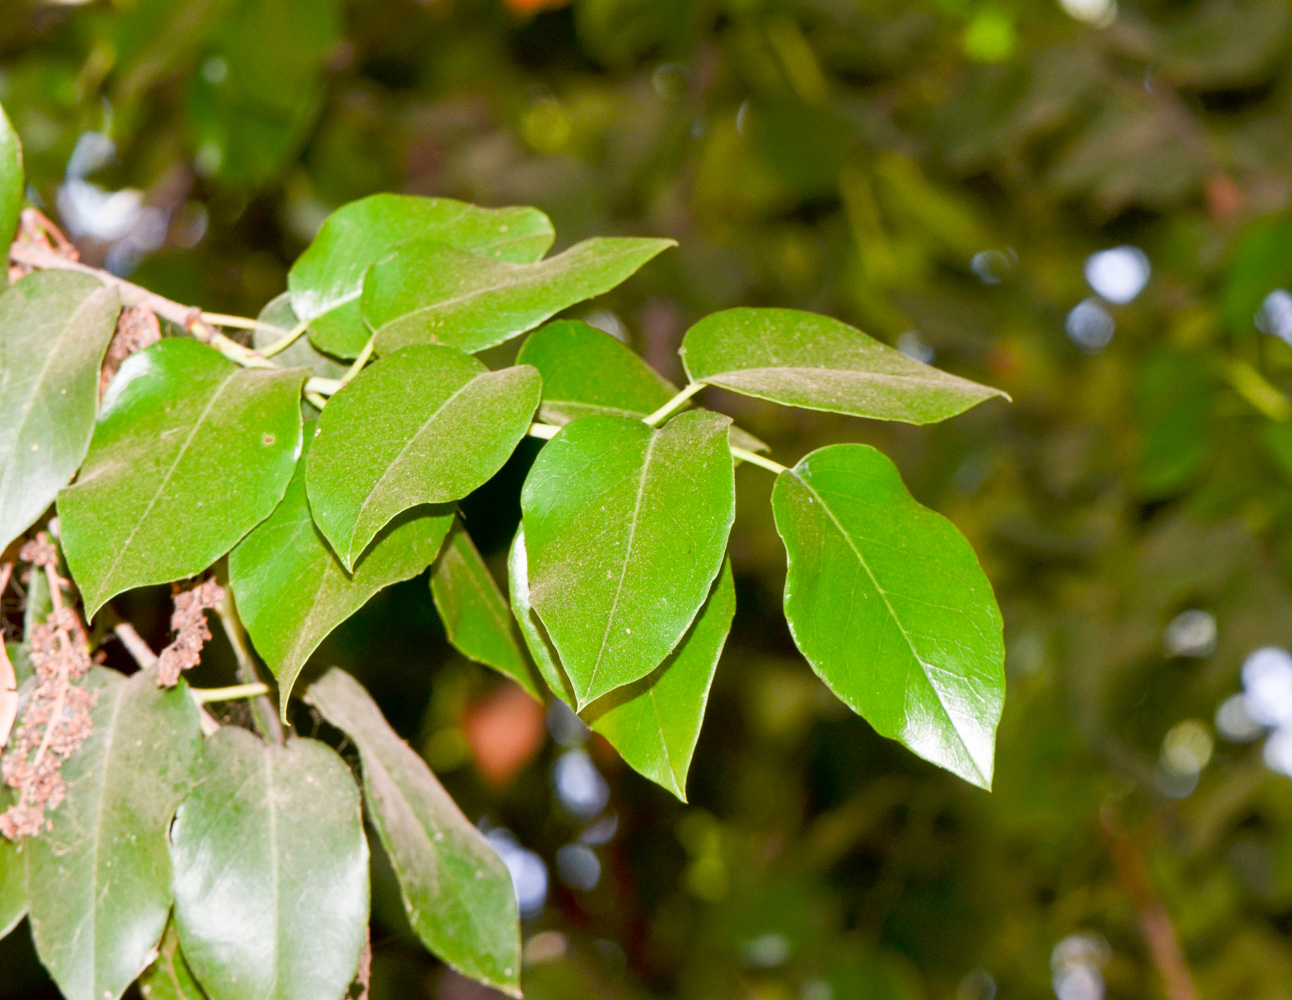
887,601
189,454
291,590
100,878
56,326
271,870
802,359
11,179
431,293
457,893
170,978
327,278
426,425
655,723
626,527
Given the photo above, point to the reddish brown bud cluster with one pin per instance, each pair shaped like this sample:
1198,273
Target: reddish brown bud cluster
136,329
191,632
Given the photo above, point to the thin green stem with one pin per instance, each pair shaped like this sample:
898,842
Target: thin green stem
204,696
544,431
323,386
315,400
286,340
673,404
753,458
360,361
262,709
236,322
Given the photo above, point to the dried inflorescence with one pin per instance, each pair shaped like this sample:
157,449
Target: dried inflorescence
36,228
189,624
136,329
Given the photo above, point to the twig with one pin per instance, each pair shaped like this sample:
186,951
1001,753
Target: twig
675,403
135,645
204,696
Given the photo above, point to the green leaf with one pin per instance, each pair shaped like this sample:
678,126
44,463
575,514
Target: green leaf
1175,402
626,528
99,878
13,876
887,601
474,613
426,425
588,371
11,180
655,723
531,629
271,871
189,454
291,591
802,359
170,978
278,318
327,278
456,891
427,292
56,324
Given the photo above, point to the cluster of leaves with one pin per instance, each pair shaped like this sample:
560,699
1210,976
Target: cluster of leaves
321,491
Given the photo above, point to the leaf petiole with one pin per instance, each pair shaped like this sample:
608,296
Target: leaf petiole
235,322
360,361
673,404
753,458
204,696
286,340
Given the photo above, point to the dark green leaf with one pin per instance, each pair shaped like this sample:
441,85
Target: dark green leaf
56,325
291,591
626,527
189,454
13,876
278,318
475,616
426,425
531,629
1175,399
271,871
99,879
456,891
11,180
327,278
802,359
887,601
654,723
170,978
427,292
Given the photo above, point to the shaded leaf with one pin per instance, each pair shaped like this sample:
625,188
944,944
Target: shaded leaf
802,359
887,601
456,891
189,454
326,280
278,318
531,629
170,978
11,180
57,325
271,871
626,527
474,613
655,723
13,875
427,292
291,590
426,425
99,878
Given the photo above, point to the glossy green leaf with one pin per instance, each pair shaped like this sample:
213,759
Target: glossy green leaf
278,318
626,527
189,454
585,371
475,615
13,876
887,601
327,278
271,871
803,359
655,723
456,891
170,978
431,293
56,324
291,590
531,629
12,183
99,879
426,425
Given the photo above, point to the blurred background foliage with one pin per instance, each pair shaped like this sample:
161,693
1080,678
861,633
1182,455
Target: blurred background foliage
1085,203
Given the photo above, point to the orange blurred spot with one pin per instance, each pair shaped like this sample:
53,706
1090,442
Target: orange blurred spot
533,6
1224,199
504,732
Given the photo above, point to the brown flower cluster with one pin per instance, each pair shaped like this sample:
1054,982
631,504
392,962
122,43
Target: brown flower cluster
35,227
189,624
136,329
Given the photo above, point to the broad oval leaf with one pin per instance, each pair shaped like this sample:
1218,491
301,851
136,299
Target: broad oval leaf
887,601
626,527
431,293
170,978
11,180
803,359
456,890
655,723
475,615
531,629
326,280
99,879
425,425
291,591
57,325
274,322
13,876
271,871
189,454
